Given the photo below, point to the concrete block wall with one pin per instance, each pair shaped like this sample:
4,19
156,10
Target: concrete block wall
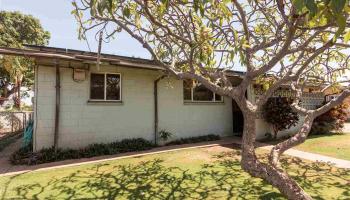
44,112
191,119
83,123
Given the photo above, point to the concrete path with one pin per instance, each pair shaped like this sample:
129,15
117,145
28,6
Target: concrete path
7,169
5,154
314,157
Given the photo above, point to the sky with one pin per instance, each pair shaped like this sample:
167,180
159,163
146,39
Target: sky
55,17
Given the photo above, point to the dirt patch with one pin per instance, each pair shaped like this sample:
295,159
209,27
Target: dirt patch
223,152
205,154
221,148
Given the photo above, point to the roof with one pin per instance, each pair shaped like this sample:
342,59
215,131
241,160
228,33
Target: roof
76,56
72,55
87,54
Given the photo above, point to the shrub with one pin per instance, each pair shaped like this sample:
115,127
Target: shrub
333,120
22,156
279,113
189,140
165,135
138,144
26,156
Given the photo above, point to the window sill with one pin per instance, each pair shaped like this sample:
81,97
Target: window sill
97,102
204,102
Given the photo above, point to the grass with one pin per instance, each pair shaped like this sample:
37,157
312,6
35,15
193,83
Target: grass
337,146
201,173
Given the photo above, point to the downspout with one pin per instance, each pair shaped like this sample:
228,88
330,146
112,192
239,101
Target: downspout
57,108
156,108
35,113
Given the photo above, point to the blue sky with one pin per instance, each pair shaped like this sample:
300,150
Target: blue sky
56,18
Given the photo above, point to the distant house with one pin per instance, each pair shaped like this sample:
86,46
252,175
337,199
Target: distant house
77,104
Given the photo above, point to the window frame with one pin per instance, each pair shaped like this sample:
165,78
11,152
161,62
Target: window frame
105,87
199,101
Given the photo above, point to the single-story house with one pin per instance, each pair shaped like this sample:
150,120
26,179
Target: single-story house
78,103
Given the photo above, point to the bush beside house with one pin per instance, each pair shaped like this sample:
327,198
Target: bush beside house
190,140
26,156
279,113
331,121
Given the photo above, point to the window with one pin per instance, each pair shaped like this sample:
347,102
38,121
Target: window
105,87
199,93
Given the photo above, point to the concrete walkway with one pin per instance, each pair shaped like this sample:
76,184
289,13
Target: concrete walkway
314,157
7,169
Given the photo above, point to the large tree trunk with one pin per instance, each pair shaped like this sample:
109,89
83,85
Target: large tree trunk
270,173
18,95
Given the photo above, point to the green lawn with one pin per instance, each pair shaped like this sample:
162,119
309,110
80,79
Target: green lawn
337,146
201,173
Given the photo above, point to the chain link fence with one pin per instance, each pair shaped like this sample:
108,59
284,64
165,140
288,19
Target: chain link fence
13,122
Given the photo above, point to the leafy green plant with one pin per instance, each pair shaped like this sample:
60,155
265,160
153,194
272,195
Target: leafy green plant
278,112
331,121
190,140
27,156
165,135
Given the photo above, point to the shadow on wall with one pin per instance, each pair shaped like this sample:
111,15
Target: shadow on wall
222,179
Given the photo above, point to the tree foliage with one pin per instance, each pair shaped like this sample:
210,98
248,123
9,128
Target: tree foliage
331,121
297,42
17,29
279,113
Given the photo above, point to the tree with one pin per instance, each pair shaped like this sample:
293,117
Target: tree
279,113
333,120
294,41
17,29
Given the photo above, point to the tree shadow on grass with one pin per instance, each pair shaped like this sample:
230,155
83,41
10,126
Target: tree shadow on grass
319,178
221,179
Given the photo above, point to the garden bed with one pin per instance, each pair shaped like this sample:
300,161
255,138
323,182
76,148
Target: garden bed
25,156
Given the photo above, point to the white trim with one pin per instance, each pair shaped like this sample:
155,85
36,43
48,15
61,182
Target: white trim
98,100
198,101
105,87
